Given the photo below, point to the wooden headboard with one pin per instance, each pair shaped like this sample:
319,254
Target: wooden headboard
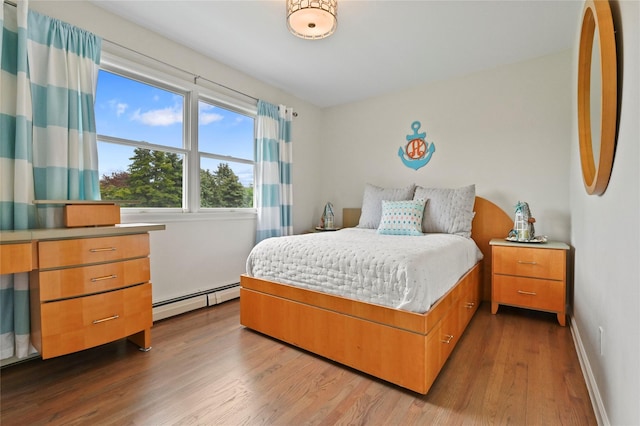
489,222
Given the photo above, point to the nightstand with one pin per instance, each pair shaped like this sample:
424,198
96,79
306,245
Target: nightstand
318,229
529,275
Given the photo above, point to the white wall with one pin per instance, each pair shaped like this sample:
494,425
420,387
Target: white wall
209,251
606,237
508,130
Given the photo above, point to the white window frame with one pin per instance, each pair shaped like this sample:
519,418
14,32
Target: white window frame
155,73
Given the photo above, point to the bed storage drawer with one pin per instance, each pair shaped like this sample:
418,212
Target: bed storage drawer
60,253
469,300
440,343
83,280
75,324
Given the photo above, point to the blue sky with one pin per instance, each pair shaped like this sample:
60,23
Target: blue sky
132,110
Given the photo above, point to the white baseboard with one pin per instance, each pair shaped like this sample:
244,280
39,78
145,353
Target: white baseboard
179,307
195,302
223,295
589,378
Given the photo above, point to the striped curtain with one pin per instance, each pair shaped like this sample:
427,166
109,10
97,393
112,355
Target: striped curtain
274,193
16,174
48,146
63,65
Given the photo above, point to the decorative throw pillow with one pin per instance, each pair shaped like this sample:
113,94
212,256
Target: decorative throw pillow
372,203
448,211
401,217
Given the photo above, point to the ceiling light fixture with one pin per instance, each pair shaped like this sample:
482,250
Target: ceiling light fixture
312,19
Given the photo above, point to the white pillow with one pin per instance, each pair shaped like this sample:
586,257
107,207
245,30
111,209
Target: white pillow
401,217
447,210
372,203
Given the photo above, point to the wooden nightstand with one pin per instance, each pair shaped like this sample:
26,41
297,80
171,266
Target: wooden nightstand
529,275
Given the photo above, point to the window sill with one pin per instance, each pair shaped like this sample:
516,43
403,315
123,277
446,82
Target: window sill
156,216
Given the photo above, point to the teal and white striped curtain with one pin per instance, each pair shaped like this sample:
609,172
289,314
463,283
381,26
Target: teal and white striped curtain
63,65
16,174
48,143
274,192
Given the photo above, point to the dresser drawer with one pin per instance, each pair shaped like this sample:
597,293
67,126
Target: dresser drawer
74,282
533,293
75,324
54,254
16,257
529,262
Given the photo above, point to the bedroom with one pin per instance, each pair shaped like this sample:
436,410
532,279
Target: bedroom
505,120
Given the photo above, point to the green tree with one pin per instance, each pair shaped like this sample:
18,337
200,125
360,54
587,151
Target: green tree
208,197
155,178
230,190
222,188
248,196
115,187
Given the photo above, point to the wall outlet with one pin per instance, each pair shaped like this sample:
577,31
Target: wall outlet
601,339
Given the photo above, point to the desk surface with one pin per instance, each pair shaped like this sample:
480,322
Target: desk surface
27,235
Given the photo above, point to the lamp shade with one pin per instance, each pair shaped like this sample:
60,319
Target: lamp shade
312,19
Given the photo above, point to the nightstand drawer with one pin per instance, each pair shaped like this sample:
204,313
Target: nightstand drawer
533,293
529,262
55,254
74,282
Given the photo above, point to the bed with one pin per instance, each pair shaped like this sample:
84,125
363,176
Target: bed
400,346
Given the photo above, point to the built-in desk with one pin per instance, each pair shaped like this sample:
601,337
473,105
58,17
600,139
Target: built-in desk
88,286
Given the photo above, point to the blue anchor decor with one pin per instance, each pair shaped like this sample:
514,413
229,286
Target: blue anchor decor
417,152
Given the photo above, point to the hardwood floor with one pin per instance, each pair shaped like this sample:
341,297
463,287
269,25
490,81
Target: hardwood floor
518,367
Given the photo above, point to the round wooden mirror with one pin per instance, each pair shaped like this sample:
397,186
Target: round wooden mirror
597,95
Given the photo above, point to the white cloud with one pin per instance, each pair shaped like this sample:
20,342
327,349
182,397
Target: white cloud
121,108
159,117
209,117
118,107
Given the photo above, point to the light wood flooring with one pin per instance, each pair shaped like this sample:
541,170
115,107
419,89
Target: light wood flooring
518,367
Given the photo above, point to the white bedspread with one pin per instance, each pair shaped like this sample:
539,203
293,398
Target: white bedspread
402,272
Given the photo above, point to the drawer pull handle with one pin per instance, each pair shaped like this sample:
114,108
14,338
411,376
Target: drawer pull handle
470,305
98,250
524,262
106,277
528,293
106,319
448,339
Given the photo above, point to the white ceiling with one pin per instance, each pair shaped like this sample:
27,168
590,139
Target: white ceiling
379,46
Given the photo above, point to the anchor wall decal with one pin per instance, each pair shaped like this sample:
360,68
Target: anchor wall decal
418,152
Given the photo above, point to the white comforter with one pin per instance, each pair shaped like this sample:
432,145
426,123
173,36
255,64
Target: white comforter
402,272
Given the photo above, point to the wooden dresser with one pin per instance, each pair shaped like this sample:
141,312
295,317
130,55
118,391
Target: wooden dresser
529,275
88,286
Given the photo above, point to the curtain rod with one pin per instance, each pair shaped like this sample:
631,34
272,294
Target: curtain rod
195,76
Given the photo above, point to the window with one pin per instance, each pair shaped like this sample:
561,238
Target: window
148,148
226,159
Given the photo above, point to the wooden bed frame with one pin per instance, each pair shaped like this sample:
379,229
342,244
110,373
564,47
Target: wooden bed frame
401,347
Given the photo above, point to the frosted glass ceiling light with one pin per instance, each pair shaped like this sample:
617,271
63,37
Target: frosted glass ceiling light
312,19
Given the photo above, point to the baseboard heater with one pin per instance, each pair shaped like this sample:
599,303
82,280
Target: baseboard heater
190,302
